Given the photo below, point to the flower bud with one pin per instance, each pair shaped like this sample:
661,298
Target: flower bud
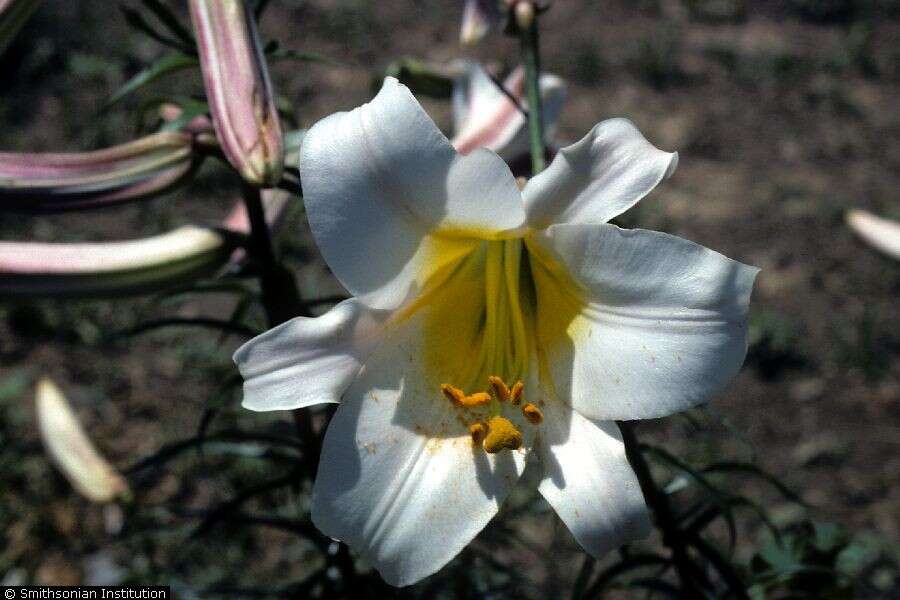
49,182
72,451
13,15
30,269
486,117
479,17
524,13
238,89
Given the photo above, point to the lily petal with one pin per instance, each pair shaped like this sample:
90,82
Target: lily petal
71,449
307,361
375,190
882,234
659,325
588,481
405,486
597,178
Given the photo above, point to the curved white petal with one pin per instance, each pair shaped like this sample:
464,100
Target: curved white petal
657,326
879,233
588,481
400,481
379,179
308,361
604,174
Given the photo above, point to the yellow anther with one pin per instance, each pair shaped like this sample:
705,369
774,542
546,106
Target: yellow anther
459,398
515,394
533,414
454,395
478,431
500,389
502,435
477,399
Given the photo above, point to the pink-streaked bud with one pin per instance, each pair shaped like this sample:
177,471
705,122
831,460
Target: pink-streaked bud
120,268
50,182
881,234
71,450
13,15
479,18
238,89
485,117
170,113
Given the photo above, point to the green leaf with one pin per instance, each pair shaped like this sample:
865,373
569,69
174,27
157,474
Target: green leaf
14,385
612,573
136,20
280,54
420,77
828,536
860,554
170,20
167,65
751,469
224,326
718,497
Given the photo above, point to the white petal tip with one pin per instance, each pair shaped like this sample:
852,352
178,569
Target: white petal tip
881,234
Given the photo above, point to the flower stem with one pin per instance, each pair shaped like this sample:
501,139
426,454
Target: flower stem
531,58
280,298
693,580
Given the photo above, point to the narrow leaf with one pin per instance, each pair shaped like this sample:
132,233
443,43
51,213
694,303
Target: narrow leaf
167,65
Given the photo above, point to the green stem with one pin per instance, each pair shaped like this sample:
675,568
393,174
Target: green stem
693,582
282,302
280,297
531,58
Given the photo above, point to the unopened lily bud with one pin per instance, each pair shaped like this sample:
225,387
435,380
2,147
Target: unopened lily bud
524,14
479,17
72,451
13,15
49,181
238,89
31,269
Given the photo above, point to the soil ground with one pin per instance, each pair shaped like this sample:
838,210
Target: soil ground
784,114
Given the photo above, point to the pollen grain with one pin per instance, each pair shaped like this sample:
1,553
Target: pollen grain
502,435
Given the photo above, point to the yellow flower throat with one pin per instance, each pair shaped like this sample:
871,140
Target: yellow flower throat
478,303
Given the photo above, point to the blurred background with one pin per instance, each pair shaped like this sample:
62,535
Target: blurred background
785,115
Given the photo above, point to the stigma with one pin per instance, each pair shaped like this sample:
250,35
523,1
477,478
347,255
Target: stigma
493,432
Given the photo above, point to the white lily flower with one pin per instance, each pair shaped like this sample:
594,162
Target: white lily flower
489,324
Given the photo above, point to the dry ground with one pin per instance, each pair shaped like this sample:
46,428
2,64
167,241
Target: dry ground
782,121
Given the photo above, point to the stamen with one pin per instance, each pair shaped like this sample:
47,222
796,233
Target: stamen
502,435
500,389
533,414
515,393
459,398
478,431
454,395
477,399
